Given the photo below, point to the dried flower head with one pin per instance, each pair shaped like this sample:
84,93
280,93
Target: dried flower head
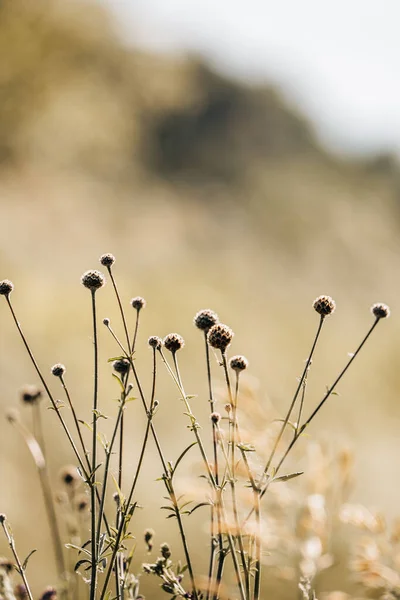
220,336
238,363
324,305
20,592
155,342
173,342
6,564
6,287
215,417
121,366
148,539
165,551
58,370
205,319
69,475
49,593
3,518
107,260
82,503
93,280
380,311
30,394
138,303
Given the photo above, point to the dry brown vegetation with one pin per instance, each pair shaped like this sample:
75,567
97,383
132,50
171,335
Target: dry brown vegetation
210,193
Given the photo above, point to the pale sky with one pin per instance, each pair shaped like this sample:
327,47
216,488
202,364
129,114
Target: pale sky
339,61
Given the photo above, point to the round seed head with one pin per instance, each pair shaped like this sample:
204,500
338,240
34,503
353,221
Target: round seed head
107,260
205,319
165,551
6,564
380,311
324,305
82,503
121,366
58,370
238,363
138,303
173,342
6,287
49,593
220,336
30,394
106,322
21,592
69,475
155,342
3,518
215,417
93,280
148,539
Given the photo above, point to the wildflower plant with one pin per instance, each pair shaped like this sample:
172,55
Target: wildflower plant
106,559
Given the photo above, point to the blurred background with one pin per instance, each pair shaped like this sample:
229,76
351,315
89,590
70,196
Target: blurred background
237,157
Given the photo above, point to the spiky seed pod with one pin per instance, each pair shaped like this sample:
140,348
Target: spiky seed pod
220,336
30,394
205,319
380,311
215,417
49,593
58,370
107,260
173,342
69,475
138,303
93,280
165,551
155,342
238,363
6,287
324,305
121,366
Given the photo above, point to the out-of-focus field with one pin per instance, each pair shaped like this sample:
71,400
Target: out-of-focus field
210,194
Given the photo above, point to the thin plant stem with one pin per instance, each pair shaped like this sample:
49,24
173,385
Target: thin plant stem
48,495
94,544
48,392
215,522
195,427
121,439
11,543
232,479
107,465
317,409
286,420
85,451
167,481
76,421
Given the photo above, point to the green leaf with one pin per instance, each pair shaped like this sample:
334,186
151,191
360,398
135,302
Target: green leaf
80,563
182,456
190,512
25,563
119,382
287,477
246,447
79,548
